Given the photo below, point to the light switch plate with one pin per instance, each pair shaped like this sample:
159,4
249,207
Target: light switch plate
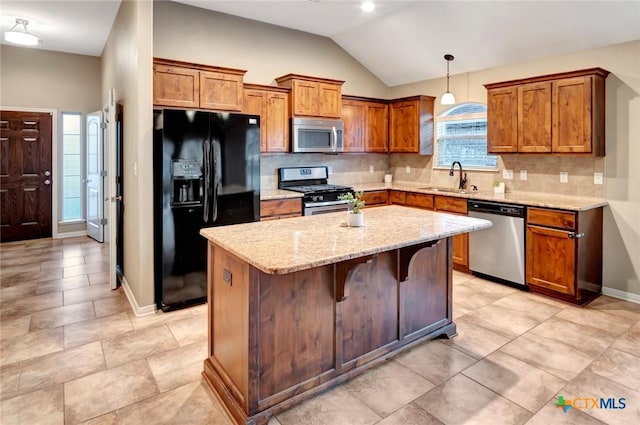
564,177
407,169
371,168
598,178
507,174
523,174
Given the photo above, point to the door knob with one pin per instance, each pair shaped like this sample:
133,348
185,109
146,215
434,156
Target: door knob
113,198
47,173
47,181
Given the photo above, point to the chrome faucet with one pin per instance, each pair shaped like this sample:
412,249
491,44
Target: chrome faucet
463,180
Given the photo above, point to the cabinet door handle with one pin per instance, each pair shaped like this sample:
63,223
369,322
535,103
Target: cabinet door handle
576,235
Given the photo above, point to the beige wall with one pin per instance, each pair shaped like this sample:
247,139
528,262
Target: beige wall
127,67
621,164
266,51
34,78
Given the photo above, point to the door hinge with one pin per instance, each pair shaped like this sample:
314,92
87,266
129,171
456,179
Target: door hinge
103,173
103,221
103,125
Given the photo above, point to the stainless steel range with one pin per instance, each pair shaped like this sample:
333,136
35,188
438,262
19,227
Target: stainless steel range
319,197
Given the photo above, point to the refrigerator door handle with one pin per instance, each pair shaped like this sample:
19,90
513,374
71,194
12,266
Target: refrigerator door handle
206,146
217,173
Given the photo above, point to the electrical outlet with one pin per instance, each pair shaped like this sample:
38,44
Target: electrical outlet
507,174
330,169
407,169
564,177
135,168
523,174
371,168
598,178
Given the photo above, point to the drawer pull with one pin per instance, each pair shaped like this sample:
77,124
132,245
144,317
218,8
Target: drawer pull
29,139
576,235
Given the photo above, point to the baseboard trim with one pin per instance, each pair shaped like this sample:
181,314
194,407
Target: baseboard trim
70,234
623,295
137,310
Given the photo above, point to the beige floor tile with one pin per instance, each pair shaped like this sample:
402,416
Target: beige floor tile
42,407
86,268
587,339
110,418
475,340
410,415
138,344
471,298
613,324
159,317
18,274
9,377
61,367
22,290
591,385
61,263
521,304
463,401
618,366
96,329
30,305
629,341
189,404
111,389
334,407
190,329
549,355
553,415
40,275
273,421
495,288
112,305
435,361
58,285
98,278
96,258
88,293
60,316
14,326
177,367
33,344
515,380
616,307
459,277
388,387
492,317
199,309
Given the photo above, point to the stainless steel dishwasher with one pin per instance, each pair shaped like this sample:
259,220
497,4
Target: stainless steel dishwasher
498,252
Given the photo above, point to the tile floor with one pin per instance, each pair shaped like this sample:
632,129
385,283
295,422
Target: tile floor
71,351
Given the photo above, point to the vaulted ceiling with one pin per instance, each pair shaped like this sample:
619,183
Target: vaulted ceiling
399,42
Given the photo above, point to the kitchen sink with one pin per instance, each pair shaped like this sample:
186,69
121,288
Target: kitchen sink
444,189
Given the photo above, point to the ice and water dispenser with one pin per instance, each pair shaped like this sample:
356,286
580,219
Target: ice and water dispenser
186,182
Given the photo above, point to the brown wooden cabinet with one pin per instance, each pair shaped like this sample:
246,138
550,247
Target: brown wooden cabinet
313,96
188,85
460,251
272,104
411,125
366,124
564,253
397,197
273,209
560,113
375,198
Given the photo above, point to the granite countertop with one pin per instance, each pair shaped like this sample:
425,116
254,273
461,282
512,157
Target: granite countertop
266,195
531,199
299,243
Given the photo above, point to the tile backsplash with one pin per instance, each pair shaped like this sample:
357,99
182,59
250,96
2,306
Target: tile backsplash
543,171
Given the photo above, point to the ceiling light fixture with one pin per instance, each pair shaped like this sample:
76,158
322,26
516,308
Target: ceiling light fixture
21,36
367,6
448,98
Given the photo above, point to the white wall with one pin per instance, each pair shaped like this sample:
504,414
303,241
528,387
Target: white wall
622,161
127,67
42,79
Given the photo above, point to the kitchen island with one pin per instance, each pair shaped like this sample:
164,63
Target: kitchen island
299,305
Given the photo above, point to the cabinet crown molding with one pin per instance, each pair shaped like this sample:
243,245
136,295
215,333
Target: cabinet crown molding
288,77
579,73
199,67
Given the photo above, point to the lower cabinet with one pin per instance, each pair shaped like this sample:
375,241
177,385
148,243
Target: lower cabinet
564,253
274,209
375,198
460,242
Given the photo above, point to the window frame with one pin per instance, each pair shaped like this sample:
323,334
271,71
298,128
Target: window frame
444,117
82,172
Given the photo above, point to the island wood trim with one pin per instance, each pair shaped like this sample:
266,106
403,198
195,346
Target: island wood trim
344,272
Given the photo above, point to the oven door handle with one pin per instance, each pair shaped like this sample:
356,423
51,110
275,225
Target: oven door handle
324,204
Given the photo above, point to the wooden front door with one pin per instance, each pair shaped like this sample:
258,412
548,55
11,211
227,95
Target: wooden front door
25,175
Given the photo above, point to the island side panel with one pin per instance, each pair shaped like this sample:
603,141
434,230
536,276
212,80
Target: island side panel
296,330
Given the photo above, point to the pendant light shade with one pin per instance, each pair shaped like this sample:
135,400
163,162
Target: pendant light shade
448,98
20,35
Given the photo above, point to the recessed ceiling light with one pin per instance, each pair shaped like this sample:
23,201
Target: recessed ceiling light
21,36
367,6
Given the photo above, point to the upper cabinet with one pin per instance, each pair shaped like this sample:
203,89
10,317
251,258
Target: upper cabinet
312,96
365,124
411,125
559,113
272,104
188,85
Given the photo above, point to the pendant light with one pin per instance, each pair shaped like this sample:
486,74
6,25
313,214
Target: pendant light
448,98
21,36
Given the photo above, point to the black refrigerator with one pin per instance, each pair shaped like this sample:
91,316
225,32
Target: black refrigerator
206,173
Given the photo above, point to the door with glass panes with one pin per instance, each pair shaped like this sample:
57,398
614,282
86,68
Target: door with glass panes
95,177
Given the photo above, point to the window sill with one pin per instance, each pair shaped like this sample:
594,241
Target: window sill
69,222
465,169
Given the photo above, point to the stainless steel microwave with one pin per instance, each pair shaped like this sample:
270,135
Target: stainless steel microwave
316,135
